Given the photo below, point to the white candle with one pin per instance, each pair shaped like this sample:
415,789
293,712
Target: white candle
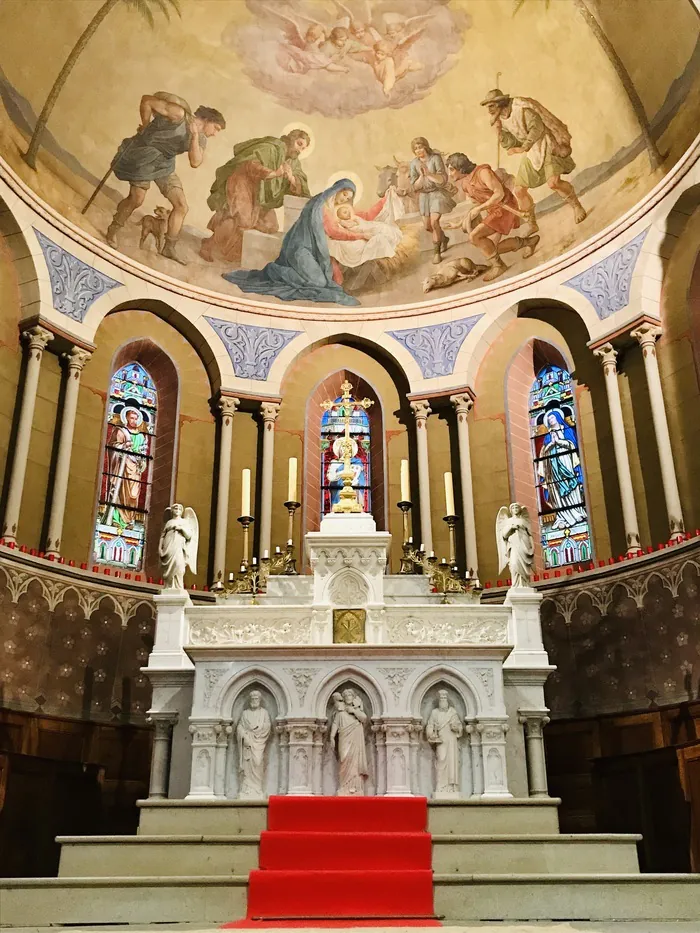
231,577
277,550
449,495
292,490
266,554
405,484
245,492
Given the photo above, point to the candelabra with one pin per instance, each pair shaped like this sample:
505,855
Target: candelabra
246,521
291,564
406,561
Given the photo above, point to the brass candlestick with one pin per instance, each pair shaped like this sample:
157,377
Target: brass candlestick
451,522
246,521
407,563
290,567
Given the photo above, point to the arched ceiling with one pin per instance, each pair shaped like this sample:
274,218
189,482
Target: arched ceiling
598,101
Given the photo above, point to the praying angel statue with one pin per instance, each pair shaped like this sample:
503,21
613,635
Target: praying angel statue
516,547
178,545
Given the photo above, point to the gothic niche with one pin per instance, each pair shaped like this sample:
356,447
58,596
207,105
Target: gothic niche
444,757
253,759
348,764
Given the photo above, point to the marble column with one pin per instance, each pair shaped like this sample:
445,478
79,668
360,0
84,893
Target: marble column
269,412
74,361
463,404
397,742
534,722
647,335
421,409
607,355
36,339
205,740
227,407
223,730
160,756
493,757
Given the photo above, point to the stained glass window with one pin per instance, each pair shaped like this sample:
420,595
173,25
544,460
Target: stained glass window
332,432
564,526
127,469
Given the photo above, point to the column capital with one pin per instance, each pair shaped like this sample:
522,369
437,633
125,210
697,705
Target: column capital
421,409
37,337
607,355
646,336
462,404
534,721
163,722
227,405
75,359
269,412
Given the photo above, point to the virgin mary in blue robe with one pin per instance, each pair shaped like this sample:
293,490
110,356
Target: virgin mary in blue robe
303,270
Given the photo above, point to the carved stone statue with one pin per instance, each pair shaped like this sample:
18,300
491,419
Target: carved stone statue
252,734
443,730
178,545
348,728
516,547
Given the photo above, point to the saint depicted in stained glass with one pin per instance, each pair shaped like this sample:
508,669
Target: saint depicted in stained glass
564,522
127,469
332,432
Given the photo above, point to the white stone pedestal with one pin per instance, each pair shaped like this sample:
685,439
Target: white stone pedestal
172,631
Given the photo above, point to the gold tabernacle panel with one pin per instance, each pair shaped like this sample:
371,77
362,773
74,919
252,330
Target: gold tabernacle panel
349,626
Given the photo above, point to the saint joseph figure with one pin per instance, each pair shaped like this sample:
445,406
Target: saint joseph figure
252,733
443,730
348,727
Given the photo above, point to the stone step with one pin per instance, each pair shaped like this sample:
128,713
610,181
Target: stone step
34,902
524,897
231,817
105,856
537,853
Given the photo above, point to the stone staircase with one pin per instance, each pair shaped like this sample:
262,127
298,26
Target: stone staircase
495,860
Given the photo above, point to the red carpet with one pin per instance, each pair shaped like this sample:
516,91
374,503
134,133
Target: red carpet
335,859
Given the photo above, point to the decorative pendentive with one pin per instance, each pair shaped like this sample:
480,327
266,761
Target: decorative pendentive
252,349
301,677
606,284
396,676
436,346
75,285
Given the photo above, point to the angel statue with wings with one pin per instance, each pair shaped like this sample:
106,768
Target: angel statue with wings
516,547
178,545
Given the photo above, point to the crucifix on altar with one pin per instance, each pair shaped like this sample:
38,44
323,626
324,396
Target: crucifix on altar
347,501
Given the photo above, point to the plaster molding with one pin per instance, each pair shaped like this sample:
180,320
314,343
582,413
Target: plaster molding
606,284
252,349
435,347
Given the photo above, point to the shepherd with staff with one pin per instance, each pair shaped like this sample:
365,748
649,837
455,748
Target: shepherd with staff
168,128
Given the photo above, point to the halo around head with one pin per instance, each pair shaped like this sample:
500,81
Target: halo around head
298,125
338,450
125,411
354,178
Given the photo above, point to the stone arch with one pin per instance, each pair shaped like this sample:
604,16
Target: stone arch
239,681
349,674
458,680
26,258
346,589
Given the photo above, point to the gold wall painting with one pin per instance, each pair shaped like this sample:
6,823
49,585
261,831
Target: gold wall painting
353,153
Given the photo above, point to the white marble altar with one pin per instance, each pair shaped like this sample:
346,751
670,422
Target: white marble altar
486,663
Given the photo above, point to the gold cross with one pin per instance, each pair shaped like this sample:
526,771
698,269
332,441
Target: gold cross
347,501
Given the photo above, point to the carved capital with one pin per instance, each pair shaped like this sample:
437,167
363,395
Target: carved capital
462,404
269,412
163,722
37,338
74,360
421,409
227,406
607,354
534,722
646,336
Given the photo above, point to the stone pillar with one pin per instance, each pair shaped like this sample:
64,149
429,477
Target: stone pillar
421,409
227,407
204,748
416,732
269,412
463,404
74,361
397,739
301,752
379,757
223,732
36,339
647,335
534,722
493,757
472,731
318,739
607,355
283,733
160,756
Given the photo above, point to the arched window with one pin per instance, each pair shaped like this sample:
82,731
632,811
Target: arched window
332,432
563,518
127,469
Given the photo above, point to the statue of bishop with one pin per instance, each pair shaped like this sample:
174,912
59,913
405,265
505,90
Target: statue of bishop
252,734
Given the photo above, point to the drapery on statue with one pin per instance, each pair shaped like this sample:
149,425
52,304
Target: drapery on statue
349,727
178,545
516,547
252,733
443,730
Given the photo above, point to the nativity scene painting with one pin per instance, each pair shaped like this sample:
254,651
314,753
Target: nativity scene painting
355,154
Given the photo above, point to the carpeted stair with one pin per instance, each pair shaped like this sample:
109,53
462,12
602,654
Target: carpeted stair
331,858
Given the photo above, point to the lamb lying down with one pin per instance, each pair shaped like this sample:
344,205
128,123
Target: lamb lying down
458,270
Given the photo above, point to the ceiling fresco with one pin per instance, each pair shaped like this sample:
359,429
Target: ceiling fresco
364,153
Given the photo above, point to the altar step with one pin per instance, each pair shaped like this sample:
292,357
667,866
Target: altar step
105,856
231,817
